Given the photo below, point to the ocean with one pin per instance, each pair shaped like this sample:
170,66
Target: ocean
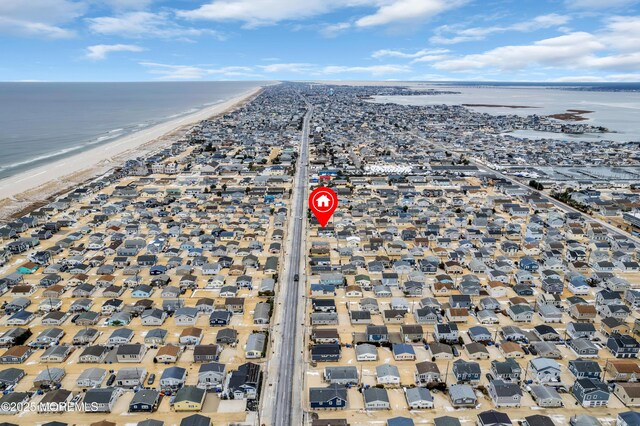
42,122
615,106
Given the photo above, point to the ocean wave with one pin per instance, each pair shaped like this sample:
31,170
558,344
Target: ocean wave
63,151
108,136
183,113
105,138
42,157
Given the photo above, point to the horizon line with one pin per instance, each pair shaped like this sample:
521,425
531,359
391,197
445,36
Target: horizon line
324,81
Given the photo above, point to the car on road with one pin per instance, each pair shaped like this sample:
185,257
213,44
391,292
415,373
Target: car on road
111,379
296,277
151,379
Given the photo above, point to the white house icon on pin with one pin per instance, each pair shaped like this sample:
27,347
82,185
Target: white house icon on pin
323,201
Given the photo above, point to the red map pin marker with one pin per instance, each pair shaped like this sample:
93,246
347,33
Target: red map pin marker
323,202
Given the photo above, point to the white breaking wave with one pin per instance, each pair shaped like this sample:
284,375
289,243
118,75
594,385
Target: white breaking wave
60,152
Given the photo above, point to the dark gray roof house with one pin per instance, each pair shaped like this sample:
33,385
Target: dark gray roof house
446,421
151,422
493,418
196,420
333,396
144,400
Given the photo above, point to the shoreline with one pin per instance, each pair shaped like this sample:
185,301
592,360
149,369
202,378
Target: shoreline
572,115
28,190
498,106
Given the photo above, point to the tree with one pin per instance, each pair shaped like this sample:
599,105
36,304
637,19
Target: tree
536,185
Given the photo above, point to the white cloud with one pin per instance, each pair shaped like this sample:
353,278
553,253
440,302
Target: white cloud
295,67
625,62
39,18
33,29
266,12
48,11
407,11
578,79
128,4
191,72
624,77
175,72
563,51
387,53
144,24
615,48
598,4
259,12
333,30
623,33
373,69
198,72
460,35
540,22
430,58
318,70
100,51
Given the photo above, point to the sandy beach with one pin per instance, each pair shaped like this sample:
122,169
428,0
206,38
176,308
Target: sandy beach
37,185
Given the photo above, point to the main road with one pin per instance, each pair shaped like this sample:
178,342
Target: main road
287,409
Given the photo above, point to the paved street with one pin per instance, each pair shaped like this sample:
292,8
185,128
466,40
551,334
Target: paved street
287,407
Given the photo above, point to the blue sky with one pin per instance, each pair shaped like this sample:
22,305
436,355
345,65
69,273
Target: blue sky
148,40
